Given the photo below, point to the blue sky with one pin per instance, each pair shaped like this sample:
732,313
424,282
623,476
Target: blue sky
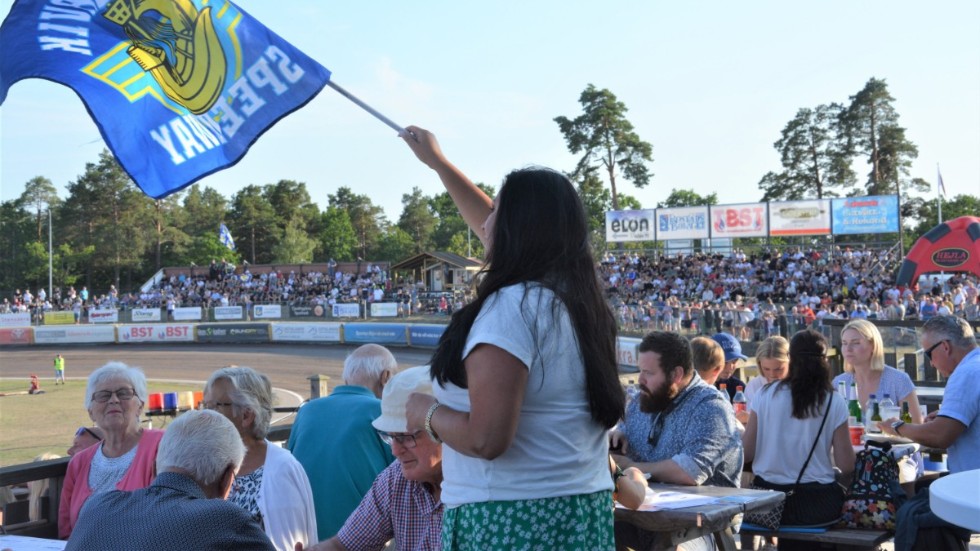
709,84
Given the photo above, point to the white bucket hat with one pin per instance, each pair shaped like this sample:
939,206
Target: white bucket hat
395,395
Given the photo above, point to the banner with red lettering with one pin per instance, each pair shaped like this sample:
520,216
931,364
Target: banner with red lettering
741,220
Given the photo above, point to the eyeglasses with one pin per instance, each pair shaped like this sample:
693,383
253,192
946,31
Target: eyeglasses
216,405
928,351
407,440
83,430
124,394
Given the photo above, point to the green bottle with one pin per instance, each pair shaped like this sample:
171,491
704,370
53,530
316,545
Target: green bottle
853,406
906,416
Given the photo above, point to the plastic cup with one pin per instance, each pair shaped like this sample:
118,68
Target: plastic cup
856,432
890,413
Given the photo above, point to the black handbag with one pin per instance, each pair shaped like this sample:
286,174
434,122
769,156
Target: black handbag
810,504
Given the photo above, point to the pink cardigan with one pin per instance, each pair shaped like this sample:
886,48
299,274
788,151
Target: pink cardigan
76,490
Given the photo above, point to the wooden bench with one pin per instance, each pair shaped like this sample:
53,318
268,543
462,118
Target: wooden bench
842,539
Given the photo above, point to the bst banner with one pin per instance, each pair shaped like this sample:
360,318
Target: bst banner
743,220
682,223
15,335
157,332
800,217
629,225
872,214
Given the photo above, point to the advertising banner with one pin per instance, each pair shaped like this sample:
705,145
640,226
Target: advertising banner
168,332
228,313
76,334
306,332
188,313
872,214
315,311
145,314
20,319
347,310
103,316
384,309
380,333
682,223
425,334
232,332
627,351
267,311
800,217
66,317
15,335
742,220
629,225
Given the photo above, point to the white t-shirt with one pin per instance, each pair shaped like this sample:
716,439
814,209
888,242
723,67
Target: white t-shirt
783,441
558,449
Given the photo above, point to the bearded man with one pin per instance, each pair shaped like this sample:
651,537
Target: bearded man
677,427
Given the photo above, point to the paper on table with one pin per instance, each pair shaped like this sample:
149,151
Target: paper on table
24,543
663,501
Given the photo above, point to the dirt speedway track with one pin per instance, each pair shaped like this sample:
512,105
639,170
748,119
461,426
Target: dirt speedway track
287,366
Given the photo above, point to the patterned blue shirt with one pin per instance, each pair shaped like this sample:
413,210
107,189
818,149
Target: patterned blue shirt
699,433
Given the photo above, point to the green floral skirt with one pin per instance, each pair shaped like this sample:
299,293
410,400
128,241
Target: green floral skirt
579,522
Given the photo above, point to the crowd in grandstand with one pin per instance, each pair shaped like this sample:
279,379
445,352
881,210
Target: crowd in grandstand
750,296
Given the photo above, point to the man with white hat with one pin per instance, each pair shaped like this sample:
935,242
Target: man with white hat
404,502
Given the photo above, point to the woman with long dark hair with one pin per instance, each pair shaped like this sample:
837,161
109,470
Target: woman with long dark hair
527,382
797,433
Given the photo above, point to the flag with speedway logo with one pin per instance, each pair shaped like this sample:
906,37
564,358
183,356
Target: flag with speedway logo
178,88
225,236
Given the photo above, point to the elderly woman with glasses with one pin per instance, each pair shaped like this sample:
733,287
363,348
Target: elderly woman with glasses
126,457
271,484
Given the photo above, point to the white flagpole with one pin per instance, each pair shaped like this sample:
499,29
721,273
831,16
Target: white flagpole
365,106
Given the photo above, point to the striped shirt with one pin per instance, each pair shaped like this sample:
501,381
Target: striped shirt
398,508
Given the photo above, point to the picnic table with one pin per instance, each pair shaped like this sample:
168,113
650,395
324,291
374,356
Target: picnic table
673,526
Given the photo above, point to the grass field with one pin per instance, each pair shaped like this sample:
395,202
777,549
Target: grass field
31,425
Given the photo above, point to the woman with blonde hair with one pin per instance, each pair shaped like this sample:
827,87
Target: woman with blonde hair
772,359
864,365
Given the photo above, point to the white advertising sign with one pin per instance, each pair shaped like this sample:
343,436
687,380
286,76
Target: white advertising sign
158,332
267,311
228,313
629,225
682,223
146,314
800,217
347,310
75,334
744,220
384,309
103,316
188,313
306,332
20,319
627,351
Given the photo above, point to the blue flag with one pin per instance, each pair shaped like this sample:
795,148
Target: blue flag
225,236
178,88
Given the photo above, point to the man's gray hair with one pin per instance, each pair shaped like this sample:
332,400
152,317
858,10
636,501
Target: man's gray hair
252,391
365,365
202,443
116,370
956,329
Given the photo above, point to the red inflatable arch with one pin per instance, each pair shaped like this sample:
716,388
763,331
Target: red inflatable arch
952,246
